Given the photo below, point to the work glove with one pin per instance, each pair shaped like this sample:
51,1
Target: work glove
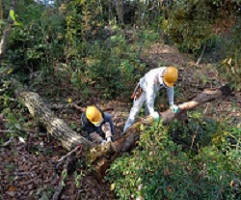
174,108
108,139
155,116
103,142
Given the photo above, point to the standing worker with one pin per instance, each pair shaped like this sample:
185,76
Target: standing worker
98,125
146,90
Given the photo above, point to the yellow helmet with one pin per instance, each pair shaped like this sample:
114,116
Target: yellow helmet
170,76
93,114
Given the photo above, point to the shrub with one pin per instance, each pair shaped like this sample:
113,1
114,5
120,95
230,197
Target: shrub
39,42
162,169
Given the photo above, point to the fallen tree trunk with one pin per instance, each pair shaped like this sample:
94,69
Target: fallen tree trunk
206,96
100,156
55,127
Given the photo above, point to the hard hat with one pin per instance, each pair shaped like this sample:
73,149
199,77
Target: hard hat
94,115
170,76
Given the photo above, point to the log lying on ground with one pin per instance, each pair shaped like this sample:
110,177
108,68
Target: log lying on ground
55,126
101,155
206,96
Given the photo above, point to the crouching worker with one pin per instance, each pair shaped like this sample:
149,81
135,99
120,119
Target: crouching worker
146,90
98,125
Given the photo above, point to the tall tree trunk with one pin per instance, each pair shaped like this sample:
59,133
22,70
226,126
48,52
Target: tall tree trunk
6,32
110,14
119,5
1,11
166,7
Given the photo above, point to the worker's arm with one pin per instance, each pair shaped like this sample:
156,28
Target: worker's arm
170,94
106,128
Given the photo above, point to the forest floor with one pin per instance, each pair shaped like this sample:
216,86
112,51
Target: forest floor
27,167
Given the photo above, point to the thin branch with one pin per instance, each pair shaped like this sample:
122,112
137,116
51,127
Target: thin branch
58,191
195,133
7,131
7,143
199,59
70,153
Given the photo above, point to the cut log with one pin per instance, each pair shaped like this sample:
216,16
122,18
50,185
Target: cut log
100,156
206,96
55,127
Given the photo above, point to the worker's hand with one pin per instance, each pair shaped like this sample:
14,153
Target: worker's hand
155,116
103,142
157,119
174,108
108,139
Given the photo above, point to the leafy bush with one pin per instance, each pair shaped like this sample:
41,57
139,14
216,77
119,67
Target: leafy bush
194,24
231,65
39,42
162,169
110,66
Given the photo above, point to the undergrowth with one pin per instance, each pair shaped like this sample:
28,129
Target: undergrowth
167,166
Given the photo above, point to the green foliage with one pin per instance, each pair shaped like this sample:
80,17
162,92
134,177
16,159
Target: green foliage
14,121
193,24
78,177
231,65
166,168
110,66
12,15
39,42
63,176
84,21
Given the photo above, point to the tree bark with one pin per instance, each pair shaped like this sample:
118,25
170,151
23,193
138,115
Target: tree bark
119,6
1,11
55,126
100,156
6,32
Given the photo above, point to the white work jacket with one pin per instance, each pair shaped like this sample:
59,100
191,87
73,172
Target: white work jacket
151,83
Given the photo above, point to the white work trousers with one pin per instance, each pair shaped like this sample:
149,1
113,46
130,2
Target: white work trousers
136,109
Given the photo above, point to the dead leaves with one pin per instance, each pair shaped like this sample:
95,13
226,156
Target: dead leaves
29,174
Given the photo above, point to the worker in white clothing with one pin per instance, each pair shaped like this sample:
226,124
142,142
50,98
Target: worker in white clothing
146,90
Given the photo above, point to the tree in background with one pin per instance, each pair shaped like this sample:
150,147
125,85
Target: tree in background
193,24
10,21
